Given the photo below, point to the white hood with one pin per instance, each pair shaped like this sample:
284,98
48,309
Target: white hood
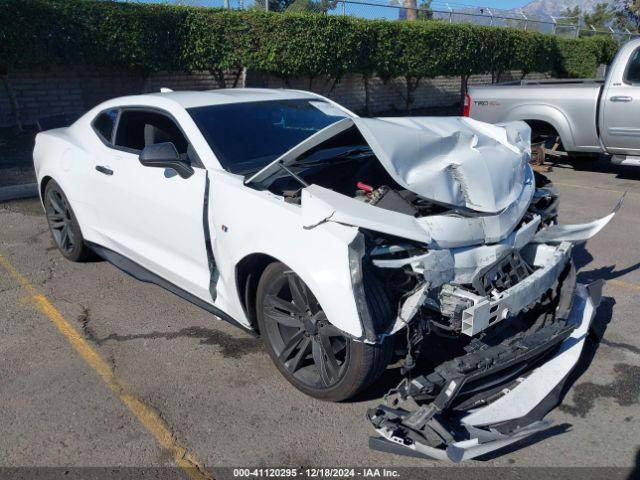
453,160
450,160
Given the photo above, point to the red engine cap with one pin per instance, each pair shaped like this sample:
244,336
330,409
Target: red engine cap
364,187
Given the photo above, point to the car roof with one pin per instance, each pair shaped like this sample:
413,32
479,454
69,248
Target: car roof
190,99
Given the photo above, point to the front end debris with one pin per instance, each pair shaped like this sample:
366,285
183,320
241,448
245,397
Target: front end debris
516,312
496,394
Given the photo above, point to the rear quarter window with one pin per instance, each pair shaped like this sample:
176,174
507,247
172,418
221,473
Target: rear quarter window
104,124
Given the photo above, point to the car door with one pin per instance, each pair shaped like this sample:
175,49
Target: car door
620,125
151,215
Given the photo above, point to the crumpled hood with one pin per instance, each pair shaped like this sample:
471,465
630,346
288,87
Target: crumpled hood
453,160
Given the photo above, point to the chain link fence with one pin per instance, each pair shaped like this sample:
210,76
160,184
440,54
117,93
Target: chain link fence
438,10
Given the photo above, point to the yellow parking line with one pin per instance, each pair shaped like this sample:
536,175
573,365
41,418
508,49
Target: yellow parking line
147,416
622,283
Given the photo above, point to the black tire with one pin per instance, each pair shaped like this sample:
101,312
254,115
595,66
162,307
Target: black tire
303,349
63,224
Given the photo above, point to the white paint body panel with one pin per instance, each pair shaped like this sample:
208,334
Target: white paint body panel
155,218
453,160
260,222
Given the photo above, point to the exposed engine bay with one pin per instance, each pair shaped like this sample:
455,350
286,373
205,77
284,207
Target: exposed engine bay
473,265
354,172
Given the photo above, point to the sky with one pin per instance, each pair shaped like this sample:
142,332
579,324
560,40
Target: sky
502,4
371,11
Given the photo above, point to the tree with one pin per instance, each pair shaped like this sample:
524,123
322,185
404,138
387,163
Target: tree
570,16
424,10
627,14
412,9
274,5
569,20
601,16
311,6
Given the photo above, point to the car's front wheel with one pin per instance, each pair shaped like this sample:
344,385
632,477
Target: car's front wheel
312,354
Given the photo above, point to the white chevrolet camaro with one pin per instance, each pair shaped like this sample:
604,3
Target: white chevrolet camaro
343,241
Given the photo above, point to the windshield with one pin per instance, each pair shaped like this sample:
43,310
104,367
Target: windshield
248,136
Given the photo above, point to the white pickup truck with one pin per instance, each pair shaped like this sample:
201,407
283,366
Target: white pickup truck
588,116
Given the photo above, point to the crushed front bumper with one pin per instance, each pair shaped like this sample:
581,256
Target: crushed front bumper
504,402
550,260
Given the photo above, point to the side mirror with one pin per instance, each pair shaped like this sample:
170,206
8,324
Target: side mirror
165,155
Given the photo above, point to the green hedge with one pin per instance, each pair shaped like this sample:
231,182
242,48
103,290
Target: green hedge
148,37
580,58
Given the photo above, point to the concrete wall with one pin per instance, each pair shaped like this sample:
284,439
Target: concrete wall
383,96
42,94
46,93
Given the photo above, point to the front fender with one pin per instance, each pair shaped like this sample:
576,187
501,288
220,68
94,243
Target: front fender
246,221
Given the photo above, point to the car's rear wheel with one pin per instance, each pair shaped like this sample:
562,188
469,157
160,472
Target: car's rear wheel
312,354
63,224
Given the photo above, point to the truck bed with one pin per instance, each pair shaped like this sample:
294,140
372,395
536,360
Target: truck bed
573,104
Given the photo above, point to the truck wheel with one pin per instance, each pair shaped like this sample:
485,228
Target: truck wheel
312,354
63,224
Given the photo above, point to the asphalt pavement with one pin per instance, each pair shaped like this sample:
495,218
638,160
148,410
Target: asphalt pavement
148,373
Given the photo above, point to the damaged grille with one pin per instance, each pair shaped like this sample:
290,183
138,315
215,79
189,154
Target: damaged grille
502,275
460,304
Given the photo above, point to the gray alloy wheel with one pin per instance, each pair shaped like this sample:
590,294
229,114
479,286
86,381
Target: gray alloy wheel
63,224
315,356
307,345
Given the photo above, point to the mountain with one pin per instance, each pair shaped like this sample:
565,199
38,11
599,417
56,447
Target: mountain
543,8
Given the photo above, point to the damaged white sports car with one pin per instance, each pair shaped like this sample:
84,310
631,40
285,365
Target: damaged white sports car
344,242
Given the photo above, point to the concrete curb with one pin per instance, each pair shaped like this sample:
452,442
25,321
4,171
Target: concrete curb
15,192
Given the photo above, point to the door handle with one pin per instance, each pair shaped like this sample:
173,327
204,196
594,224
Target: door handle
621,99
105,170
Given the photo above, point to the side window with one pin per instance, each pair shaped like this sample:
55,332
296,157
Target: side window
104,123
139,128
633,69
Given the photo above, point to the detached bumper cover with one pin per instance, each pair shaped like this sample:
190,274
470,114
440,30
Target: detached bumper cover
535,369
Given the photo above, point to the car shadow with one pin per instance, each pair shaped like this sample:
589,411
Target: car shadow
93,258
582,257
635,473
537,437
599,325
389,379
